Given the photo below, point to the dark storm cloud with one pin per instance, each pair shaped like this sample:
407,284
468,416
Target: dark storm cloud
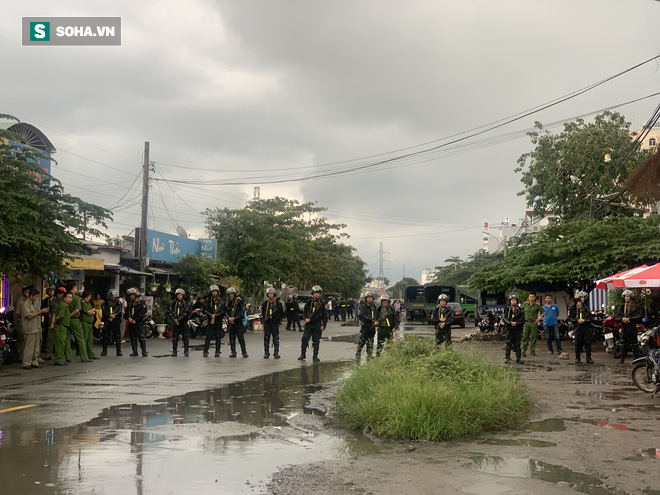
252,85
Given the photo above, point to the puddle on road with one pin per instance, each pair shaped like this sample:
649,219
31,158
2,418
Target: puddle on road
125,449
352,339
547,425
529,468
518,442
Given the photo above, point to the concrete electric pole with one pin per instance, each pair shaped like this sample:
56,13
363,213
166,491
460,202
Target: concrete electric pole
142,248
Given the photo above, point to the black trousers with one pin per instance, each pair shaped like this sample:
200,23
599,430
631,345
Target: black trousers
237,331
293,318
135,334
216,332
271,329
367,335
629,340
583,337
343,314
384,333
513,339
313,331
180,332
111,331
443,335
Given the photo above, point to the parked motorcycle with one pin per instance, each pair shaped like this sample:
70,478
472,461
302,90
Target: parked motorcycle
611,335
487,323
148,327
198,323
646,369
8,348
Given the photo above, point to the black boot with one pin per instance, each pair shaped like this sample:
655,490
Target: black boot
217,347
175,346
276,352
143,347
206,349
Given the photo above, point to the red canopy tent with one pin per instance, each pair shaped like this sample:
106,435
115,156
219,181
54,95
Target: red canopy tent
610,282
648,277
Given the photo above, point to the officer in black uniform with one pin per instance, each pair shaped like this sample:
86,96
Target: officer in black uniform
272,313
179,314
514,320
136,310
293,314
235,315
580,315
215,309
368,329
111,316
316,319
629,315
386,321
442,318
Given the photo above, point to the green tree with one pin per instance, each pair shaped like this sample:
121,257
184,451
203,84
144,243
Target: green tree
283,241
195,272
574,255
571,173
39,222
459,272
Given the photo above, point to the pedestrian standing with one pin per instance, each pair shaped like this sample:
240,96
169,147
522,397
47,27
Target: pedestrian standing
514,320
45,321
87,313
52,311
98,302
356,304
629,315
386,321
235,318
580,315
111,312
31,313
272,313
442,319
342,309
533,313
18,319
293,314
179,314
76,327
61,330
368,328
551,326
215,309
316,319
136,310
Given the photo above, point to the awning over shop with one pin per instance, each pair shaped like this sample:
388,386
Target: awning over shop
83,264
124,270
612,281
648,277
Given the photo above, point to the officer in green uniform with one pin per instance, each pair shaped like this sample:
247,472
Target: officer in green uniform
76,327
52,311
61,329
533,314
87,313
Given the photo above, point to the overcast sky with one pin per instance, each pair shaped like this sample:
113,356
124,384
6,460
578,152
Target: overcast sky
247,88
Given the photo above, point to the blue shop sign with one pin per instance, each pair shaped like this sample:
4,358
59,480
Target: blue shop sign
169,247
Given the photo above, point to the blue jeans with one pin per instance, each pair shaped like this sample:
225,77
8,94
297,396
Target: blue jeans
552,333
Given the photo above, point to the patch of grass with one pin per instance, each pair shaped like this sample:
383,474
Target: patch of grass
417,391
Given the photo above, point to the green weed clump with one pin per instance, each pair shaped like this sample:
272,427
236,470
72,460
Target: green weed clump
417,391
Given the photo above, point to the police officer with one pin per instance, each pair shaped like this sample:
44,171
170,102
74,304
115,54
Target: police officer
272,313
580,315
342,309
52,310
61,329
76,327
111,315
386,321
368,329
215,309
514,320
629,315
442,318
316,319
87,314
235,316
179,314
136,310
293,314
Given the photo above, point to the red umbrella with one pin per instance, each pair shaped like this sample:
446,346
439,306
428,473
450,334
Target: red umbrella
609,282
648,277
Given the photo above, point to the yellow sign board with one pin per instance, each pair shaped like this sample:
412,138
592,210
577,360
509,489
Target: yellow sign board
83,264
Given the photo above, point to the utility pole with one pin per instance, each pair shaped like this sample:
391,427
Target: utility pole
506,247
142,248
381,274
257,192
404,271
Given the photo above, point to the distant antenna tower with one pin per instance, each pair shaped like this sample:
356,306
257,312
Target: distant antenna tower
257,192
381,274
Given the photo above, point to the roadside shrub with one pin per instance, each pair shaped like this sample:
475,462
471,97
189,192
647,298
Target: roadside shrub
417,391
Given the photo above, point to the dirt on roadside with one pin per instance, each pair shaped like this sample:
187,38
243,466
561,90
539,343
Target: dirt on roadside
590,431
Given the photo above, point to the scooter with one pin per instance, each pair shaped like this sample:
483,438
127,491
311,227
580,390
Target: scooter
611,335
8,349
197,323
646,369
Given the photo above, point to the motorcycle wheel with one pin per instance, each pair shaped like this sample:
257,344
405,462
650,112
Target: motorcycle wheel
642,378
615,351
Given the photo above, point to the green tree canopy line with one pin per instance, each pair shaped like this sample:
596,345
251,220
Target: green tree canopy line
280,240
572,174
39,222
